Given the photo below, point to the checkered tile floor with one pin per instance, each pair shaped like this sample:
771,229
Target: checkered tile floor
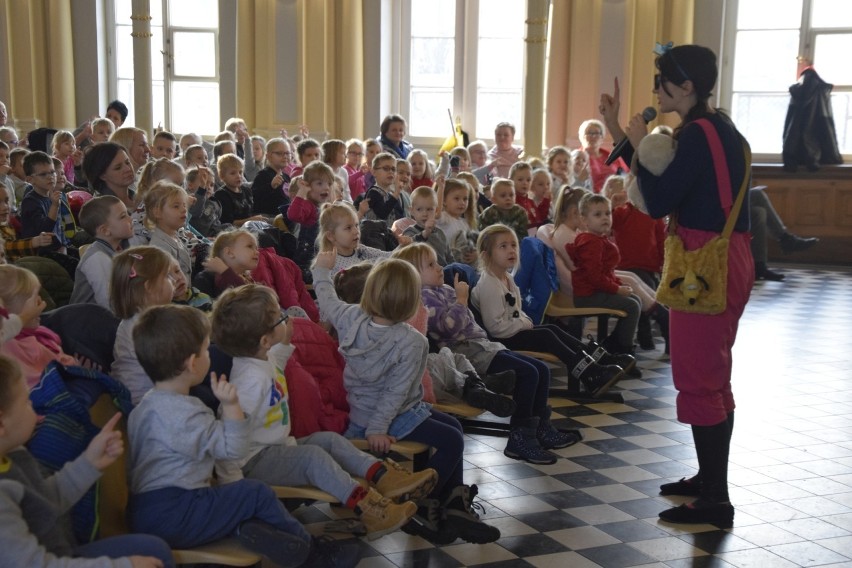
790,465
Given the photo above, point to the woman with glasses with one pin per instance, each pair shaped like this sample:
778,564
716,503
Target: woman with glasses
701,343
592,133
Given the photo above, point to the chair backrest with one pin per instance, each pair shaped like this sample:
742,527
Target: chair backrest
112,486
96,342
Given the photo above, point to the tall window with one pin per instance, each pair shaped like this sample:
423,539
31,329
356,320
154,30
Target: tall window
466,56
771,38
184,63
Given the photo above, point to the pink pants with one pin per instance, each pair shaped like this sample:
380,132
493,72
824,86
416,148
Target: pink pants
701,344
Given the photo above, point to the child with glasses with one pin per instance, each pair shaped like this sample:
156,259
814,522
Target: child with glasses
384,197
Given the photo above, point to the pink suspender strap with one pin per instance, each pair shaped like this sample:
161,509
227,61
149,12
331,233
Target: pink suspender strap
720,164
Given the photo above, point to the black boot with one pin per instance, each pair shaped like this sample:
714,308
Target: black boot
552,439
643,333
712,445
477,395
501,383
692,487
762,272
603,357
523,444
597,379
612,345
794,243
461,519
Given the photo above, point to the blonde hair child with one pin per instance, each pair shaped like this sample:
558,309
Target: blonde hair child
166,213
537,201
102,129
421,169
64,147
19,293
559,164
340,231
140,279
456,217
334,154
499,300
314,189
355,167
385,362
235,260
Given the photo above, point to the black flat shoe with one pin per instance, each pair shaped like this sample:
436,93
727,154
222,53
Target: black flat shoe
686,487
700,513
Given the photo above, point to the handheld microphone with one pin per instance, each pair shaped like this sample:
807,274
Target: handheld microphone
649,114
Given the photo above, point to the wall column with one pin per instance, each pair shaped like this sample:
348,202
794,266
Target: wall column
536,44
142,80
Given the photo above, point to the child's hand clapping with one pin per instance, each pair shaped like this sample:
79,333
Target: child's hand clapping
106,447
462,291
226,393
624,290
326,259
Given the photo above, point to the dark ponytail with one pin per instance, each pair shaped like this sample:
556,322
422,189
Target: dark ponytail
691,63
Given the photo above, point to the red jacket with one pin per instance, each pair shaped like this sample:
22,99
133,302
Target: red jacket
537,214
640,239
279,273
596,258
315,382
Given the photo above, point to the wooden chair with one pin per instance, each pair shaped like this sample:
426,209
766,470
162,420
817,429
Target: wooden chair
562,306
112,505
467,415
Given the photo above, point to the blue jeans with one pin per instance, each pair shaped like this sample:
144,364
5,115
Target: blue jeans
191,517
128,545
532,383
444,434
325,460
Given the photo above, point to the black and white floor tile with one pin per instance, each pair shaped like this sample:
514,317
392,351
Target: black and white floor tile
790,464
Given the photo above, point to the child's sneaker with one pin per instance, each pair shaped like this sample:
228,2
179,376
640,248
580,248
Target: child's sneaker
399,484
460,518
282,548
381,516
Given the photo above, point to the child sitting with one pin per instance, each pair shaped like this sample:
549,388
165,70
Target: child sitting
14,247
307,150
339,230
64,148
640,242
505,210
384,197
106,219
234,195
35,525
314,189
353,166
456,217
421,169
449,377
498,299
271,184
249,326
559,165
205,214
175,439
166,213
44,208
34,346
385,361
140,279
452,324
164,145
424,230
334,154
594,281
536,202
236,260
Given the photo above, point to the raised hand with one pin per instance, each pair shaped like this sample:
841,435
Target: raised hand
107,446
326,259
462,290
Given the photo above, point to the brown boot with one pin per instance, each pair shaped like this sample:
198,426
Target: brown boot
382,516
399,484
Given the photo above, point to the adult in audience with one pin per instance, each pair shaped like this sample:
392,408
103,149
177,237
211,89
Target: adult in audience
592,134
135,141
110,172
392,136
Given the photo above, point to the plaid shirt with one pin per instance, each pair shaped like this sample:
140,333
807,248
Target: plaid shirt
15,247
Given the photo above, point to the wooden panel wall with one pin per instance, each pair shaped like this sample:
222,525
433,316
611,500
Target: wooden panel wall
812,204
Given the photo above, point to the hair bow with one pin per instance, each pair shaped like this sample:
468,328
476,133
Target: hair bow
662,49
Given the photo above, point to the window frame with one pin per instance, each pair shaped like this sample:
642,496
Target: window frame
465,71
807,45
166,51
